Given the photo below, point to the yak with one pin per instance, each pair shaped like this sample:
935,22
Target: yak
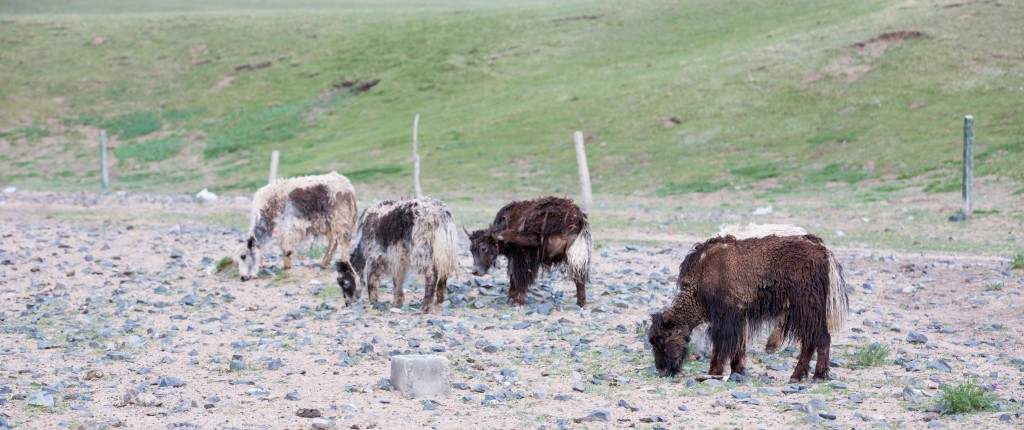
736,285
532,234
294,210
396,236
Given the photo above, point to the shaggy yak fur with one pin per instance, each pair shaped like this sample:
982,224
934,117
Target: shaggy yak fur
398,235
738,285
296,210
534,234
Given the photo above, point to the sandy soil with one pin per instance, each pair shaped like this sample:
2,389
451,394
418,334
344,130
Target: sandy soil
98,297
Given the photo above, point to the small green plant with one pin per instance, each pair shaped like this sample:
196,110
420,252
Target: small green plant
994,287
135,124
673,188
151,150
224,263
869,355
1017,262
969,397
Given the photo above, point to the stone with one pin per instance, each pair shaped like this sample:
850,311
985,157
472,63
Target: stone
40,398
940,365
563,397
275,364
308,413
170,381
813,419
596,416
293,395
625,404
915,337
936,424
420,375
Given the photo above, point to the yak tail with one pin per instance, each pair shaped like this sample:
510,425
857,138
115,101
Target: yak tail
838,303
445,248
578,256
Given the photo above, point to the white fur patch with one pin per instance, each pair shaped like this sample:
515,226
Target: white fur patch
752,230
838,302
578,256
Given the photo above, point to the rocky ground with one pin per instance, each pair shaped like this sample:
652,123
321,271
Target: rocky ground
112,315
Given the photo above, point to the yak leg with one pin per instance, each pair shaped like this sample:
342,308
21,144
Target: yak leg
737,362
803,364
777,337
332,245
581,293
372,281
717,368
522,271
287,259
821,371
399,294
442,289
429,289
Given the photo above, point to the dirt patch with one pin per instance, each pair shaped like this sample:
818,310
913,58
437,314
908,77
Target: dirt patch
254,66
851,67
577,18
224,83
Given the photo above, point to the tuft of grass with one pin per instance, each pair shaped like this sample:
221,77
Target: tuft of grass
1017,262
673,188
759,171
373,173
835,172
252,126
870,355
28,132
151,150
967,397
135,124
942,186
225,263
994,287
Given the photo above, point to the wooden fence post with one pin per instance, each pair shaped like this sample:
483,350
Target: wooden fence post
275,158
968,179
581,161
104,171
416,156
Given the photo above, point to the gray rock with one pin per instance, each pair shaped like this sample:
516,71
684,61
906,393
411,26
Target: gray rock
714,382
597,416
40,398
275,364
170,381
813,419
740,395
632,407
856,398
480,388
238,364
293,395
385,384
915,337
563,397
580,387
936,424
940,365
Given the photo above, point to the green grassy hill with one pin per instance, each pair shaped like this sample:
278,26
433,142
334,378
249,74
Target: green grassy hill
674,97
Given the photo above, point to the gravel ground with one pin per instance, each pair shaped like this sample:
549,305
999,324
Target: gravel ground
112,315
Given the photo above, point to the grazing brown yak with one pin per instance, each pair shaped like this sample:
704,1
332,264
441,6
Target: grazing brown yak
294,210
738,285
535,233
399,236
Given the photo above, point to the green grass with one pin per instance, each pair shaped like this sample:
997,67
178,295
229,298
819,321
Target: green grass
1017,261
501,88
995,287
870,355
151,150
967,397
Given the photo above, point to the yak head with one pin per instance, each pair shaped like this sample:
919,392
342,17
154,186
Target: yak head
249,258
348,280
669,343
484,247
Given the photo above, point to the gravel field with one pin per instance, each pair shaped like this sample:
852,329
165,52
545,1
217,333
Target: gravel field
113,315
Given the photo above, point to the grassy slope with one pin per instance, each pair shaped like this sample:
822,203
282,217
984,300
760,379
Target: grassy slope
501,90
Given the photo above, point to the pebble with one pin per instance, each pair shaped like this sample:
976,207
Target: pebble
915,337
632,407
596,416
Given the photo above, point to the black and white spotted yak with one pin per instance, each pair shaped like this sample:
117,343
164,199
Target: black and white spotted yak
398,236
294,211
532,234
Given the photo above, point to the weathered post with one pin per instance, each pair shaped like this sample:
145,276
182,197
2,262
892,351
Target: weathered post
968,179
103,162
416,156
581,161
275,158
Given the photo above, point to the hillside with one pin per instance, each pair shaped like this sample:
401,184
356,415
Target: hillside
844,101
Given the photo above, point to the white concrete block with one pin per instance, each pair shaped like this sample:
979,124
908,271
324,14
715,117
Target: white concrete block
420,375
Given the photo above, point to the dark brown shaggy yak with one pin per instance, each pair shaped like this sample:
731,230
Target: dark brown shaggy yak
738,285
535,233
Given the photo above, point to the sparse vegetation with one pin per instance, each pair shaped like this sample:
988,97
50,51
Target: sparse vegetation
869,355
224,264
1017,262
967,397
151,150
995,287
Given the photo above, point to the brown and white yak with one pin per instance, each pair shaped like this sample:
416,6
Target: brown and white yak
737,285
396,236
535,233
295,210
